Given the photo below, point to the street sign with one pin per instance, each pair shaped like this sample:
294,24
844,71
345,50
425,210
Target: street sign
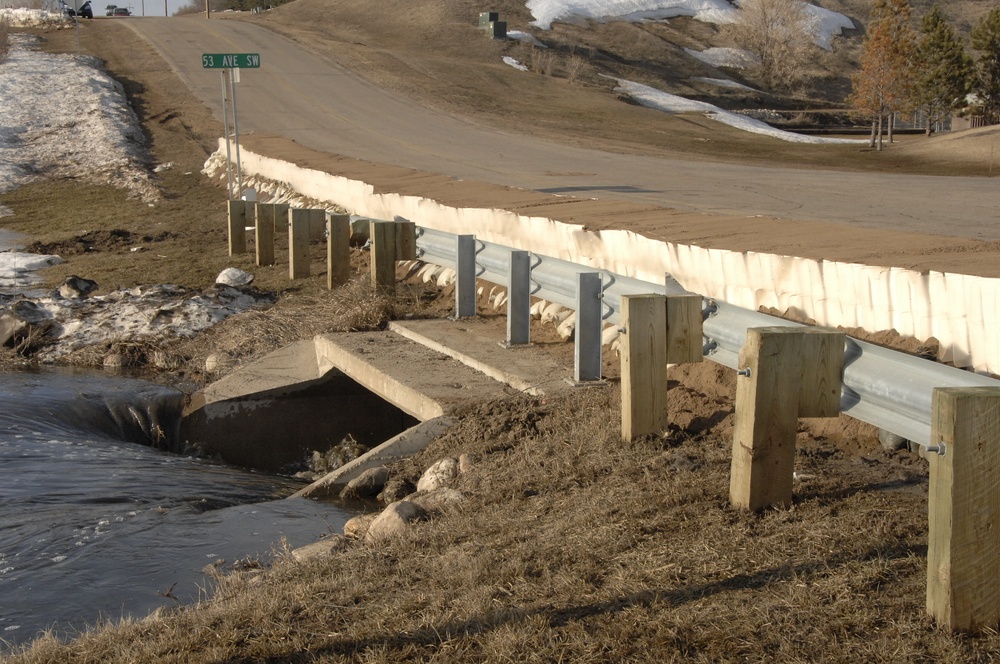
230,61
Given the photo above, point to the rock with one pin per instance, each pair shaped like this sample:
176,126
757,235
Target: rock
393,520
233,276
219,362
366,485
357,527
438,475
116,361
437,499
321,549
24,317
74,287
465,462
396,489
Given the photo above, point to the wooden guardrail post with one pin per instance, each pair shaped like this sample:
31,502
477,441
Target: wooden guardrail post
338,249
465,279
643,348
963,567
237,227
685,344
317,223
299,222
383,255
264,233
406,240
785,373
657,330
589,323
519,299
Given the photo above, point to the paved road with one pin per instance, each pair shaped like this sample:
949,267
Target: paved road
323,106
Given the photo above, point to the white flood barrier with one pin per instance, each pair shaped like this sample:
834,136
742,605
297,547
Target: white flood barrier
962,312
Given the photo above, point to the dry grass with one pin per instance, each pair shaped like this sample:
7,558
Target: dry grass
571,546
4,39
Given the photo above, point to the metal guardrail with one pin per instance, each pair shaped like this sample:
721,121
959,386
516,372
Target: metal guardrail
888,389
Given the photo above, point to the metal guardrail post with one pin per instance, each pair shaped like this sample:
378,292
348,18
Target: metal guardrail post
519,299
465,280
587,352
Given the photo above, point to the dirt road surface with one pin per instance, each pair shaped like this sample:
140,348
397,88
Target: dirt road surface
314,102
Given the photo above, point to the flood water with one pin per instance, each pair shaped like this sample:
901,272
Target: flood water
96,523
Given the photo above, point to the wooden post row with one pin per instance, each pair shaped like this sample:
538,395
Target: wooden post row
657,330
785,373
963,563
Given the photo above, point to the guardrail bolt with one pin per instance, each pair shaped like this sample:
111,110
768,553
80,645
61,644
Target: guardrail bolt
744,372
940,449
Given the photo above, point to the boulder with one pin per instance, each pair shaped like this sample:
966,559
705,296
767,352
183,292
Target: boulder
438,475
321,549
356,527
75,288
396,489
233,276
393,520
437,499
465,463
21,319
366,485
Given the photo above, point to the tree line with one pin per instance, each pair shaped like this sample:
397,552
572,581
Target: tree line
904,69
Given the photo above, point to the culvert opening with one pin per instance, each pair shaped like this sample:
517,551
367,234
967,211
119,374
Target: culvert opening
279,430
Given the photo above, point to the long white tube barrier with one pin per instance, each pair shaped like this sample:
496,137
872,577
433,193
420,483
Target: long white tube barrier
962,312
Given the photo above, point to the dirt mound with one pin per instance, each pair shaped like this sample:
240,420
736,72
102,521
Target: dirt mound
116,239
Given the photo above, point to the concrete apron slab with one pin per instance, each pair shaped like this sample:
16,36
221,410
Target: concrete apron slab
476,343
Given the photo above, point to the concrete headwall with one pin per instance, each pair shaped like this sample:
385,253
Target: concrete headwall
962,312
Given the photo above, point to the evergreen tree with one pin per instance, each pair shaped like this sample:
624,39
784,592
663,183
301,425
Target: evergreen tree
944,71
986,40
885,84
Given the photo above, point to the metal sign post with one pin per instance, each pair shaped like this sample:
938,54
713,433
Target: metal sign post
230,64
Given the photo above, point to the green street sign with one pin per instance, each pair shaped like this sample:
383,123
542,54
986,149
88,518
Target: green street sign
230,61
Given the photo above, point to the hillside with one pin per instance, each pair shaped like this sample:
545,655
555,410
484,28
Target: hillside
434,52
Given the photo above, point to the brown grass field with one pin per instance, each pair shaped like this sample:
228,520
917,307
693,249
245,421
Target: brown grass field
569,545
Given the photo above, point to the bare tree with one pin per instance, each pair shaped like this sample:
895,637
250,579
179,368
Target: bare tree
779,34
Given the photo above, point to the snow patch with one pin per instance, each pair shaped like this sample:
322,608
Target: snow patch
511,62
735,58
669,103
724,83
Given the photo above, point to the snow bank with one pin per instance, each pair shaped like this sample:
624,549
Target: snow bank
61,116
34,18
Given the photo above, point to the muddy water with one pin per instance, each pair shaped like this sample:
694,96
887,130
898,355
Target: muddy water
96,523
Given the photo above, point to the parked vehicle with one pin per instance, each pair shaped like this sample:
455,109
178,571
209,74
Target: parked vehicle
86,11
110,10
122,11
